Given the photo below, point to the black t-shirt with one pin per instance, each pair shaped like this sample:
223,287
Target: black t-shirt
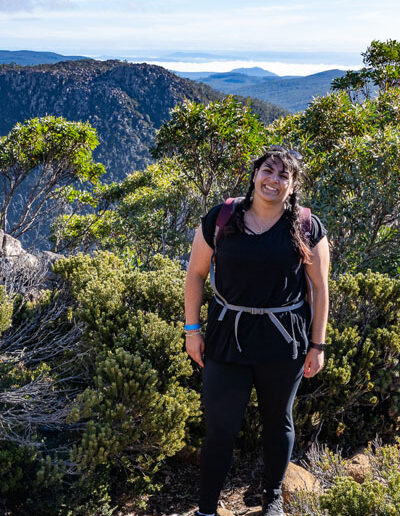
261,271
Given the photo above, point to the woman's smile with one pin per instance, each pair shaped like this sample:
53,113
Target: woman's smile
270,189
272,180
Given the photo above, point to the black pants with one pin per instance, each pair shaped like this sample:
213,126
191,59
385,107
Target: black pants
226,390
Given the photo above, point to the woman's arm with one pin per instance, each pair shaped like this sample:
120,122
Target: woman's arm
199,266
318,272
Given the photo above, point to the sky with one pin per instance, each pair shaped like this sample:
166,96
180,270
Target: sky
137,28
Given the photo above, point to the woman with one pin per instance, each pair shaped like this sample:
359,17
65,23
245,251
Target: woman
262,260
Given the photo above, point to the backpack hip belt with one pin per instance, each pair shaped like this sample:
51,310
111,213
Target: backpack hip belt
254,311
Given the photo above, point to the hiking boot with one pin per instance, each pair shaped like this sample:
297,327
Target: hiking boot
272,503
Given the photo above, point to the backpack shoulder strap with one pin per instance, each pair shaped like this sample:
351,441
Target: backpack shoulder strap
225,213
305,220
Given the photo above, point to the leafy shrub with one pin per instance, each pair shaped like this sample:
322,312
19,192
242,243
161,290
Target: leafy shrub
357,394
351,157
378,494
5,310
136,408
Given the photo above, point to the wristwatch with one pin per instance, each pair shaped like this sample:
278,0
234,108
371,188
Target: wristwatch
321,347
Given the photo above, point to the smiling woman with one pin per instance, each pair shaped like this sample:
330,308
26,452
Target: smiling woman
258,322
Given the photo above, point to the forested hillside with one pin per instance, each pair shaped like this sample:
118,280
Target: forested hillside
292,93
30,57
125,102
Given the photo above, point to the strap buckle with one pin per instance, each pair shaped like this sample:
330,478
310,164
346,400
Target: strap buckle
256,311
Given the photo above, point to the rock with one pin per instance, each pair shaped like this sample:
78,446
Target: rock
254,511
358,466
298,479
31,272
11,246
224,512
51,257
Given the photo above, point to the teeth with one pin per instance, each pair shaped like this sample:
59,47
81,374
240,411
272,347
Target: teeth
270,189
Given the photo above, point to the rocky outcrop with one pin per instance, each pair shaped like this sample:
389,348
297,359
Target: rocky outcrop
31,272
125,102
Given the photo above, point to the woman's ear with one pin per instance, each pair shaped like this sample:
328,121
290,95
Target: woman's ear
255,173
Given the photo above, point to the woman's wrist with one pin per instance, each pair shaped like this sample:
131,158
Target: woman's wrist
189,327
321,346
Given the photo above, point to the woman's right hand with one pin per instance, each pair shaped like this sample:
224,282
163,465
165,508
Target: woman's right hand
195,348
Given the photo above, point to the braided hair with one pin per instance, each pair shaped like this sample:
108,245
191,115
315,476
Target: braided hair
292,165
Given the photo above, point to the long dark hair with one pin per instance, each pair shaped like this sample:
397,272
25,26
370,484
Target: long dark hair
291,164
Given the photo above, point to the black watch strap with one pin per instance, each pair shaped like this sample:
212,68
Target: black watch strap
321,347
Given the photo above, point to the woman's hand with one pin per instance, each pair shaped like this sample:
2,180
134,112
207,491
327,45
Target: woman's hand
195,348
314,362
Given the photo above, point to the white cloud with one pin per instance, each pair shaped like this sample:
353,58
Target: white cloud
209,25
31,5
277,67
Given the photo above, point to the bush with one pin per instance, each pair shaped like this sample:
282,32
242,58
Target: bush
351,157
137,407
378,495
357,394
6,310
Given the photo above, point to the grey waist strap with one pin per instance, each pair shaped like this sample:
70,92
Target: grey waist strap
254,311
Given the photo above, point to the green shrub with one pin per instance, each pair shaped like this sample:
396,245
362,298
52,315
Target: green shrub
6,310
378,494
357,394
138,405
351,156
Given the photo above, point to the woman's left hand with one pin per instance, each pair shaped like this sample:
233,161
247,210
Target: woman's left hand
314,362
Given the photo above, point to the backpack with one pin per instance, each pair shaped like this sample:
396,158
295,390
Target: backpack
225,213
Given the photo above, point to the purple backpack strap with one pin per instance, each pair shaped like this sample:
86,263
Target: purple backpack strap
305,218
225,213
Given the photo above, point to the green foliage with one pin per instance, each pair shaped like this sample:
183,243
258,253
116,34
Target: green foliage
382,60
352,161
357,394
152,211
138,406
40,159
378,494
6,310
206,153
349,498
213,144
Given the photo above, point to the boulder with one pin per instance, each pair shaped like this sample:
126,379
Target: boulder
298,479
358,466
31,272
10,246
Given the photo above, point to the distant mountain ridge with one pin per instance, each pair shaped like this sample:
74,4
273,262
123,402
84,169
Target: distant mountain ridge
30,57
125,102
291,92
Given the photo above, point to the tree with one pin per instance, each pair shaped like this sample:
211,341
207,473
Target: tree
213,144
39,160
352,159
382,60
151,211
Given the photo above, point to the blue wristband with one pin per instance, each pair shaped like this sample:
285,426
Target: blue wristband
192,326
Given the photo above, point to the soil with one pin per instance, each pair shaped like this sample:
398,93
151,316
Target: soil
179,495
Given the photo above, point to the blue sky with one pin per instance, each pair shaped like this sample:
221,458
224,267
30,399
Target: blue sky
130,27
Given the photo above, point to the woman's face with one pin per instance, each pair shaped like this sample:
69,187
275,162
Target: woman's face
272,182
